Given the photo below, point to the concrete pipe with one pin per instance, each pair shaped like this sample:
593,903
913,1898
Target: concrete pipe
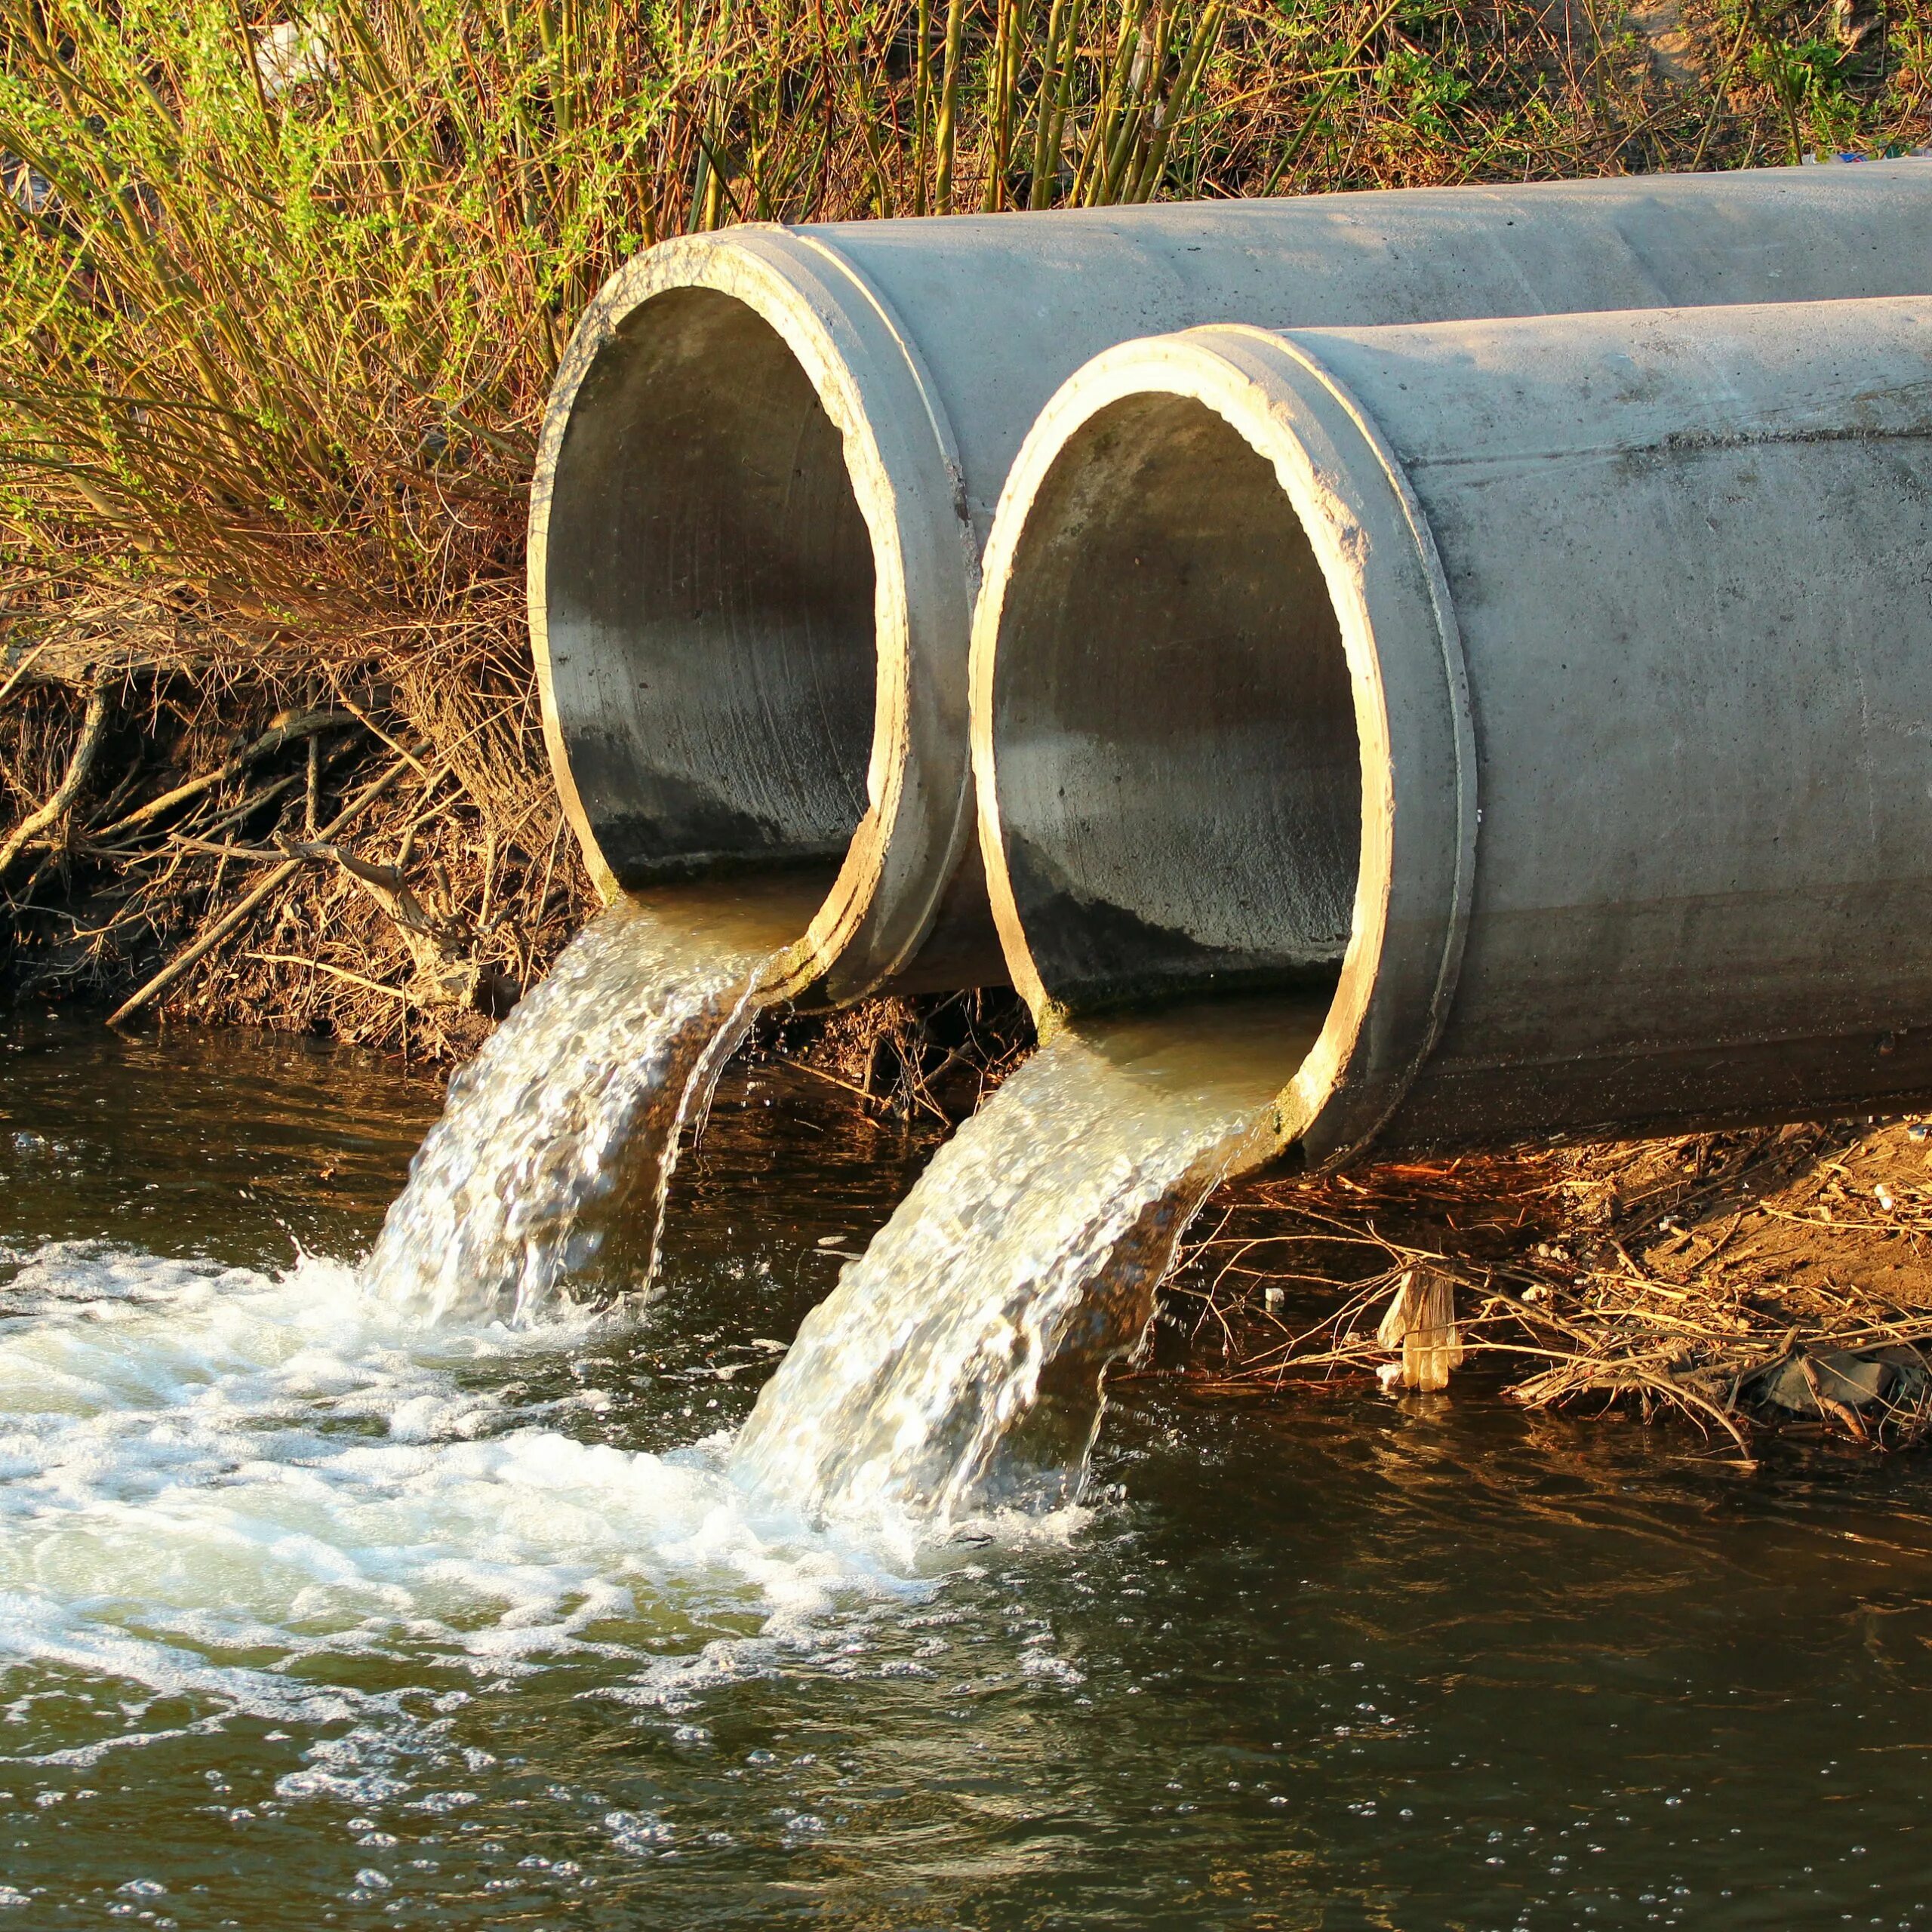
1550,700
771,455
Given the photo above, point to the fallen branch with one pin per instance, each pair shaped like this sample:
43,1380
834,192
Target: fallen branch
443,945
255,854
832,1080
239,914
323,966
369,724
93,727
385,884
20,669
291,731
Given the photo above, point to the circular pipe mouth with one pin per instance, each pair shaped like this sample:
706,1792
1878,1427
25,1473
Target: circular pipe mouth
709,616
724,604
1220,728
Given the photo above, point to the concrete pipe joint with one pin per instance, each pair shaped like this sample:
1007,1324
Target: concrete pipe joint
771,456
1549,700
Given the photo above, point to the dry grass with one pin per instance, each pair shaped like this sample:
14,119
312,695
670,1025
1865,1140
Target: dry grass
199,793
1729,1280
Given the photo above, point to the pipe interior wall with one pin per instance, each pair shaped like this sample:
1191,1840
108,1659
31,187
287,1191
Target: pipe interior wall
710,618
1682,620
1178,767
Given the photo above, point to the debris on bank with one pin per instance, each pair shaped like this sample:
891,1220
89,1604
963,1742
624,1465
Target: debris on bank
341,849
1774,1279
341,845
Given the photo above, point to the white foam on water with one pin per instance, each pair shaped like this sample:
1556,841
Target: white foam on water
319,1498
278,1496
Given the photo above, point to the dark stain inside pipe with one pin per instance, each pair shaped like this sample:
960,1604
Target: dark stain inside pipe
711,584
1180,782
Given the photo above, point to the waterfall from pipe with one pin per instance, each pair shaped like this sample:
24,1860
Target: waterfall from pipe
957,1368
546,1175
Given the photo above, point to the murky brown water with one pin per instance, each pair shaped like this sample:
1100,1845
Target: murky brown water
308,1620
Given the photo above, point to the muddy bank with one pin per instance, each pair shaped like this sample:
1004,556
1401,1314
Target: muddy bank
1779,1279
198,833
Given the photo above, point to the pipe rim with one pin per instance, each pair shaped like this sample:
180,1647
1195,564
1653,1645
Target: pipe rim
894,436
1414,732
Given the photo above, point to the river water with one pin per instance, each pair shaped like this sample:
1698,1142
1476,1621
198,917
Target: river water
310,1617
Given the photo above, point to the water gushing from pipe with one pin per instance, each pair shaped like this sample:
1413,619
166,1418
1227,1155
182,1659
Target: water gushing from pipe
547,1174
958,1366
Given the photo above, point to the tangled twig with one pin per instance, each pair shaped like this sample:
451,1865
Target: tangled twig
86,747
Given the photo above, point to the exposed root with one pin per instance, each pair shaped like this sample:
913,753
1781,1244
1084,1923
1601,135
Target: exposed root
186,862
86,747
233,921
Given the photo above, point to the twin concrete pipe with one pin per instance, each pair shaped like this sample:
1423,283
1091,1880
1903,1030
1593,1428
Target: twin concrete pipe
1553,694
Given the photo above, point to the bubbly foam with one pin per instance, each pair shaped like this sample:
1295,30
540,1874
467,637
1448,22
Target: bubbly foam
279,1496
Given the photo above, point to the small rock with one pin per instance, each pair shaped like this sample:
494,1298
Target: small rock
1853,1380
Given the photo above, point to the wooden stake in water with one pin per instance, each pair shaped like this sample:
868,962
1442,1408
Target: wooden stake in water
1421,1323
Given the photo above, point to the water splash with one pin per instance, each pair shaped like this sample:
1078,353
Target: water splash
551,1162
275,1496
958,1366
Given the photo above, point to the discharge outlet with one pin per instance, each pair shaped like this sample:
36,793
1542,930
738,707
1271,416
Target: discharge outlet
1552,698
771,456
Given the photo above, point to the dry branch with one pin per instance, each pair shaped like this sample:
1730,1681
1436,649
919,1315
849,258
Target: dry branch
1669,1276
93,725
237,915
283,732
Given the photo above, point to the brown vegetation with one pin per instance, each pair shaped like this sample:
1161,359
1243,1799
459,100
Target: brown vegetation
1777,1277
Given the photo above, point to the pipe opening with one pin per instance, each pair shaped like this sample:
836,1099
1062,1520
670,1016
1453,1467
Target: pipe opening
709,582
1180,777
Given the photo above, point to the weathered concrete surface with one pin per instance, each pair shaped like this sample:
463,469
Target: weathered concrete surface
1559,691
771,458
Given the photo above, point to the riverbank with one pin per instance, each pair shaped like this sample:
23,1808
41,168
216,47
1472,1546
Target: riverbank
337,866
1771,1281
371,854
270,746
